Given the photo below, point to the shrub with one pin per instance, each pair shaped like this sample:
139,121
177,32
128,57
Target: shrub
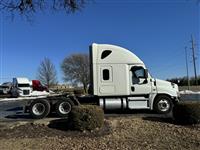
187,113
86,117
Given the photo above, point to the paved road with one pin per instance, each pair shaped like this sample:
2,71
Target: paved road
12,110
193,97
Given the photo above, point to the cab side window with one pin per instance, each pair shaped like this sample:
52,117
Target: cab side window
105,53
106,74
137,73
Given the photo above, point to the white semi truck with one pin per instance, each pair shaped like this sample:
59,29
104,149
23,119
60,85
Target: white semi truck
19,87
22,85
119,80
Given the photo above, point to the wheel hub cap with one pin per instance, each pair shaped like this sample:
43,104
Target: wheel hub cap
38,109
64,107
163,105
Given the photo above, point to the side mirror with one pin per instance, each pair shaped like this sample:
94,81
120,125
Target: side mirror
145,81
145,76
146,73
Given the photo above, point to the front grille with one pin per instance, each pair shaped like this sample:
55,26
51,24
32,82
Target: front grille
26,92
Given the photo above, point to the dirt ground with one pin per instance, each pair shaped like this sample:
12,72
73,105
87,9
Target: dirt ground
117,133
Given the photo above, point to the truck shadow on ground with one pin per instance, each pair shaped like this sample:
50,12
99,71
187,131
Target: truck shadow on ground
61,124
19,116
15,109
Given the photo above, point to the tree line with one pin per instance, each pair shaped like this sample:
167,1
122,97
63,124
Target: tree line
183,81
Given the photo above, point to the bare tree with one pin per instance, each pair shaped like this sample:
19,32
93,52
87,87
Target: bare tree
47,73
76,69
29,7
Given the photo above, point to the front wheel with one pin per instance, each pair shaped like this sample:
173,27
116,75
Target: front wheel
163,104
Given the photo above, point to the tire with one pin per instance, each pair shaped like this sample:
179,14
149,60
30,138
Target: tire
163,104
63,107
39,108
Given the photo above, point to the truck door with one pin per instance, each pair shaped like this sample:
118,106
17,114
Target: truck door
140,83
106,86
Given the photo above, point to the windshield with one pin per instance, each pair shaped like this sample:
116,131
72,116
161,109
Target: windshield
23,85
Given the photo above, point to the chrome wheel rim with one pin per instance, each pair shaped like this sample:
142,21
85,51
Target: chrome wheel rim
163,105
38,109
64,107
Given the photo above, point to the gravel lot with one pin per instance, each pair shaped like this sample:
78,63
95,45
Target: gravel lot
118,133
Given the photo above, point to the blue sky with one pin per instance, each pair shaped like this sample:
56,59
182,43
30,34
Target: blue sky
155,30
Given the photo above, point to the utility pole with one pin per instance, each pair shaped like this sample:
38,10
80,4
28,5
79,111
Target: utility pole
194,59
186,60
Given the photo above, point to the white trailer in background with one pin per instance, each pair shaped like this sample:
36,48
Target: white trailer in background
119,80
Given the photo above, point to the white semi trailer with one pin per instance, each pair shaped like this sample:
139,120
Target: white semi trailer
119,80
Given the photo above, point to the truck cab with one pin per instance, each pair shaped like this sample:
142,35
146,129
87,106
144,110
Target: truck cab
121,80
22,86
37,86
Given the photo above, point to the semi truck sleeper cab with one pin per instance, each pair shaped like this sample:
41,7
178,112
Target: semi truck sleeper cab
121,80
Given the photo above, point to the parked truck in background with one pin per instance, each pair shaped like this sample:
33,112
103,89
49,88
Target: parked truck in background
18,87
119,80
22,86
37,86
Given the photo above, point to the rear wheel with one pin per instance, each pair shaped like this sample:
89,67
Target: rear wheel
163,104
64,107
39,108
